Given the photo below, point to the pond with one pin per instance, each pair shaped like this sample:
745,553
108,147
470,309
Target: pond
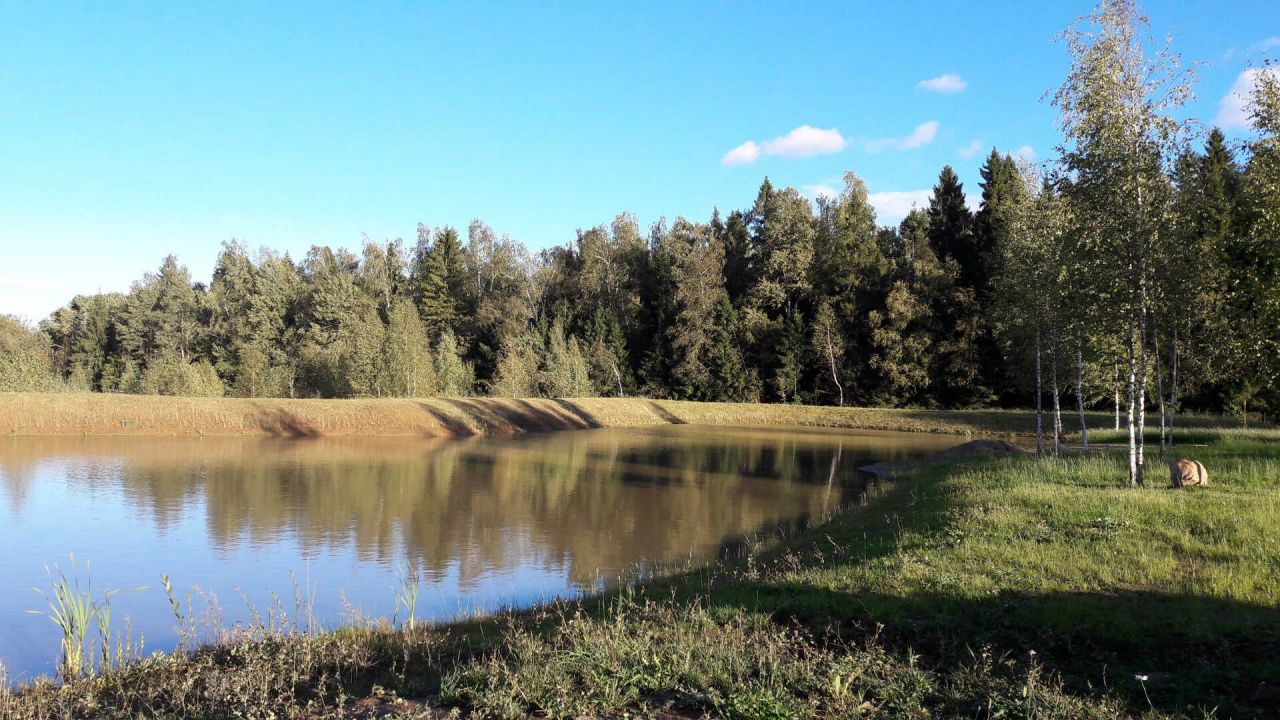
480,524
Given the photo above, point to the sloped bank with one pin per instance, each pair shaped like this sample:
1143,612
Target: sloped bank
114,414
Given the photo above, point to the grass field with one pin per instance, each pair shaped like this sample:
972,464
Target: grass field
984,588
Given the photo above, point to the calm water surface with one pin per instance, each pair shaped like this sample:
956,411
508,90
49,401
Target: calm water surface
484,523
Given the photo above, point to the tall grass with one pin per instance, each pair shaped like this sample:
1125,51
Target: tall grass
407,588
83,620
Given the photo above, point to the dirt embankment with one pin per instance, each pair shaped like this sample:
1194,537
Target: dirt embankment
111,414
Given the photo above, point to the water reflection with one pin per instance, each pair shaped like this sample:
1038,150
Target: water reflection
484,519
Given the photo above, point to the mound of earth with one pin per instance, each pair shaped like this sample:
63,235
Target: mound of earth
964,451
976,449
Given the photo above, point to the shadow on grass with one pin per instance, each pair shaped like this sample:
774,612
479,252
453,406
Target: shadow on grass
282,423
665,414
495,415
1197,651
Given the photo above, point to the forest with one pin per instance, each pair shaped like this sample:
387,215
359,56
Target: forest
1138,268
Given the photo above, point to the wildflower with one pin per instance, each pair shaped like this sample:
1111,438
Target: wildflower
1140,678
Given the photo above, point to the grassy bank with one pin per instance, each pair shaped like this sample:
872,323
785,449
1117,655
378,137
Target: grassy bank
986,588
116,414
112,414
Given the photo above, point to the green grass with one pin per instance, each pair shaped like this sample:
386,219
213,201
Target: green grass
1057,556
989,588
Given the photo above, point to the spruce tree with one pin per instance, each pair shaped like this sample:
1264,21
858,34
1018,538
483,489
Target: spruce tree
951,227
437,277
1002,193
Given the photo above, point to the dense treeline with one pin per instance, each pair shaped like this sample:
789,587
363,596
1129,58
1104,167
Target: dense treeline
1139,264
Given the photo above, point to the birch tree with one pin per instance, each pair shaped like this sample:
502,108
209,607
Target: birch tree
1114,109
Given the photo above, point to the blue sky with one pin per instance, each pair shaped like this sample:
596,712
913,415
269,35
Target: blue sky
128,131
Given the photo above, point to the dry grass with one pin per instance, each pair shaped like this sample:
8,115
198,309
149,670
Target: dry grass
111,414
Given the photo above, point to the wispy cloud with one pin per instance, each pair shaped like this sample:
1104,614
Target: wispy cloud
921,136
1262,46
805,141
945,83
1233,108
814,192
745,154
893,205
1027,153
970,150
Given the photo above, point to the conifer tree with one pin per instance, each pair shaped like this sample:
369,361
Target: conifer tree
437,277
951,228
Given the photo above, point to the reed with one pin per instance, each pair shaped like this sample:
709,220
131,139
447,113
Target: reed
77,613
407,588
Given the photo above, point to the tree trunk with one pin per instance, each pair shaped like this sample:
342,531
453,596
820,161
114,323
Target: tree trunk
1155,346
1039,402
835,375
1141,394
1131,388
1117,389
1173,386
1057,405
1084,427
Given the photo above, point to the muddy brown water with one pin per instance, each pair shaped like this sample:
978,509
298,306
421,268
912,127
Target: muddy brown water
482,524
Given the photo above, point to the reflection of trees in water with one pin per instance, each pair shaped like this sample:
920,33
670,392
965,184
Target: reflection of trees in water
595,502
16,478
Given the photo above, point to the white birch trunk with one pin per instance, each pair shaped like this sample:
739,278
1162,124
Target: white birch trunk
1132,388
1155,346
1084,427
1173,386
1057,405
1039,402
1141,394
1117,389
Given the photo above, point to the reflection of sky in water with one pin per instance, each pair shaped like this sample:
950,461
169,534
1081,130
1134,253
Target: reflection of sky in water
489,523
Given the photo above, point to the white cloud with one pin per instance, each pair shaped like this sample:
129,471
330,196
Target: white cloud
921,136
946,83
814,192
744,154
1027,153
805,141
1233,108
970,150
1265,45
894,205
